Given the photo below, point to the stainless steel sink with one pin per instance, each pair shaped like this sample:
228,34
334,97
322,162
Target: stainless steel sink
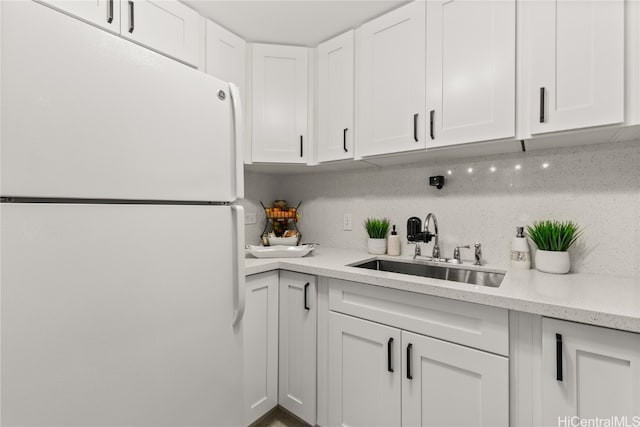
443,272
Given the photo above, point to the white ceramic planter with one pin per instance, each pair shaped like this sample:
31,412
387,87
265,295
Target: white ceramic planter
377,246
553,262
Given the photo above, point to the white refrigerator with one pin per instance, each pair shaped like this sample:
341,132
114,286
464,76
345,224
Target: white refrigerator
121,249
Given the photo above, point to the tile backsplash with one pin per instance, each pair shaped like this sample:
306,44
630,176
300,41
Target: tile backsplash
258,187
484,199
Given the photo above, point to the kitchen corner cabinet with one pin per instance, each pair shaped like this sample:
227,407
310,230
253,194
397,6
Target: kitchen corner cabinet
336,85
390,69
298,336
589,372
577,63
260,334
102,13
226,56
166,26
169,27
279,97
471,64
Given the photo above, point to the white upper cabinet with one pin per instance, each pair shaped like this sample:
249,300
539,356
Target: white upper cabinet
167,26
226,55
589,372
390,69
336,98
471,68
103,13
577,63
279,103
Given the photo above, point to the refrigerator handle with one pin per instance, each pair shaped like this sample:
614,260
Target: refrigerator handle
238,141
239,279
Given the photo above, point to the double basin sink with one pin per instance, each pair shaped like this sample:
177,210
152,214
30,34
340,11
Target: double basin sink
492,278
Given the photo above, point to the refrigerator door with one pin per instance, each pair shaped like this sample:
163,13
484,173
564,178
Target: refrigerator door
119,315
86,114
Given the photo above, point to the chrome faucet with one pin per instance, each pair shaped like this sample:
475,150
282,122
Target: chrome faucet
436,247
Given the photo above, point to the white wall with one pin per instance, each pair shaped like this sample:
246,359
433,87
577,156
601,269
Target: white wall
258,187
598,186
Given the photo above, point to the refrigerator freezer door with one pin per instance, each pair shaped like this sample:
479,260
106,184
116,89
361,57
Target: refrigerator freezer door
119,315
86,114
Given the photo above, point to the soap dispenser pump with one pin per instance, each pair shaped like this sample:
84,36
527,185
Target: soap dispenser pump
393,245
520,252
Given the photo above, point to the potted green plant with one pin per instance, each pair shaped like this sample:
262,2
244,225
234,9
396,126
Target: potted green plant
553,239
377,229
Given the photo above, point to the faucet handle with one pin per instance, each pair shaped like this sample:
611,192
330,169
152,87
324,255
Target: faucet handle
478,253
456,253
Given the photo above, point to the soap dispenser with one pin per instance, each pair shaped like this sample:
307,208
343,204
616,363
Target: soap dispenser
520,252
393,244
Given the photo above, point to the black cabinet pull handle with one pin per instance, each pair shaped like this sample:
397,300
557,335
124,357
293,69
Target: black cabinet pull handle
409,348
306,302
415,127
542,92
131,17
110,12
559,375
389,344
344,139
301,149
432,115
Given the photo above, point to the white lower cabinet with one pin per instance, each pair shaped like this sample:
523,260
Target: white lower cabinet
261,345
297,365
379,375
364,383
445,384
589,372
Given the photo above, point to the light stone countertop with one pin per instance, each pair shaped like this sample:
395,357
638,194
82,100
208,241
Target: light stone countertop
609,301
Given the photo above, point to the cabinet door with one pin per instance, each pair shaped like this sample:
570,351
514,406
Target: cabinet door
470,71
335,98
103,13
260,325
577,63
364,373
391,82
226,55
445,384
298,319
279,104
166,26
588,372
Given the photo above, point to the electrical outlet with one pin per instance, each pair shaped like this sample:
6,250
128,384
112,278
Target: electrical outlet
347,224
250,217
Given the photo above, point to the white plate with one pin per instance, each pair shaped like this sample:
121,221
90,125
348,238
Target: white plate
279,251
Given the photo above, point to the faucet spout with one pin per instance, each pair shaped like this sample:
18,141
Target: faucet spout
436,246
